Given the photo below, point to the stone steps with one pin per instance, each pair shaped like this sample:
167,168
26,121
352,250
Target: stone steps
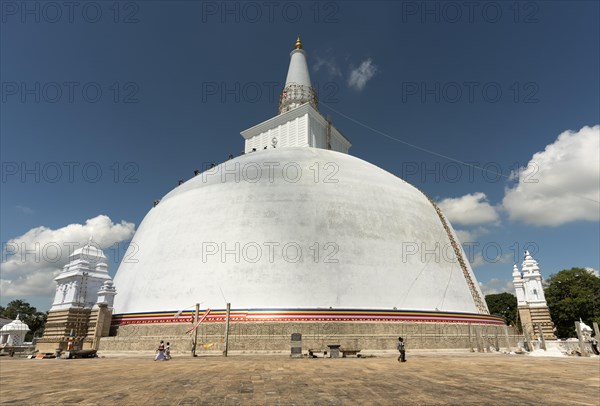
541,315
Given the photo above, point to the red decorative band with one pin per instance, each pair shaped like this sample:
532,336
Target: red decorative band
312,315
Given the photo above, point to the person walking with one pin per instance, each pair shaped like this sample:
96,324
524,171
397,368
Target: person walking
595,346
401,348
168,351
160,352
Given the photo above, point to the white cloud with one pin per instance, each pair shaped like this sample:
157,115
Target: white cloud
479,259
360,76
495,285
38,282
561,183
24,209
465,236
469,210
30,261
329,64
593,271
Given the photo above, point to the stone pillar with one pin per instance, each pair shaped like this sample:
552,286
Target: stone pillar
508,347
527,339
296,345
471,338
526,322
582,348
478,338
104,316
596,330
539,327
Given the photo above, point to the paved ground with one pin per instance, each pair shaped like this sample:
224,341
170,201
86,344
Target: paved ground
432,378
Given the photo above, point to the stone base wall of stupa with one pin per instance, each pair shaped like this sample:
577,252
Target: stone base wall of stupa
276,336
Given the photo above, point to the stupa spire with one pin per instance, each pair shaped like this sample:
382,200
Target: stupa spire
298,88
298,123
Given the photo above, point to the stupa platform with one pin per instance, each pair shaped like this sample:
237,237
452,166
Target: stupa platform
427,378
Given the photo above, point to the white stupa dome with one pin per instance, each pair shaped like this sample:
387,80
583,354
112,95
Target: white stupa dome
374,226
14,326
14,332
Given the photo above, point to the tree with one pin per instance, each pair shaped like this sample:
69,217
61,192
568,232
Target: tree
503,305
573,294
27,314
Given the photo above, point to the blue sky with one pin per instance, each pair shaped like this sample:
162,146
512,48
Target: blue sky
106,105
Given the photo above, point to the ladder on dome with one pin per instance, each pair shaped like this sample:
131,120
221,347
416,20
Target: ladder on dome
479,302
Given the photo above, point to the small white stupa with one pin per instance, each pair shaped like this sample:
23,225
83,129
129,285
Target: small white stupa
13,333
586,330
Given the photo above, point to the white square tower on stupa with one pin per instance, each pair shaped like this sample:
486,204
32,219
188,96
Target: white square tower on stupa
299,123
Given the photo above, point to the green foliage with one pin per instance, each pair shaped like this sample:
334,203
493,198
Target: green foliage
28,315
572,294
503,305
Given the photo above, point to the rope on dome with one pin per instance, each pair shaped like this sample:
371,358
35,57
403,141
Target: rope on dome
376,131
457,252
479,302
418,276
441,304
